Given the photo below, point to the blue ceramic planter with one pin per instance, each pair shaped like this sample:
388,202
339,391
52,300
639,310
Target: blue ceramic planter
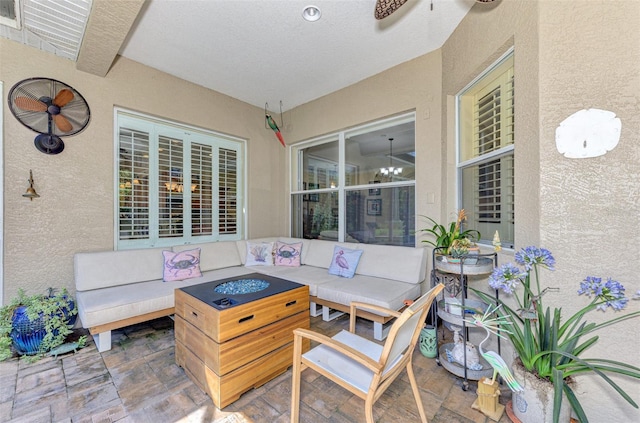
26,335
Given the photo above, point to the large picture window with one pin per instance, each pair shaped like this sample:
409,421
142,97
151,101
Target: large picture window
176,184
486,149
357,185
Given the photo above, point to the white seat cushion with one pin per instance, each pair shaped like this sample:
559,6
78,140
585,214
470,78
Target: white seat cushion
101,306
343,367
306,275
382,292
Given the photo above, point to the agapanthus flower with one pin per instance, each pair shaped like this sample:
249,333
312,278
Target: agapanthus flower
530,256
540,339
611,292
506,277
591,285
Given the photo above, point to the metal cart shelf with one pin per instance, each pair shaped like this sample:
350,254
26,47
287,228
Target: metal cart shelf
454,274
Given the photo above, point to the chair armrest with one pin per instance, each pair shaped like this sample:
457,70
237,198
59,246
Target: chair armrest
338,346
358,304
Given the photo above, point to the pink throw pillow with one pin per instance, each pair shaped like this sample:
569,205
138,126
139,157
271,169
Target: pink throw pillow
182,265
288,254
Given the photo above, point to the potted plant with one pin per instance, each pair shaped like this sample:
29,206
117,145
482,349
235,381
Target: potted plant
33,325
550,346
448,238
454,247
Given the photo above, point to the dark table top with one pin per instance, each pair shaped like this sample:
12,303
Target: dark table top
206,292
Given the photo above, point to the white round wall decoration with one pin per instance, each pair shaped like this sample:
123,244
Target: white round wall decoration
588,133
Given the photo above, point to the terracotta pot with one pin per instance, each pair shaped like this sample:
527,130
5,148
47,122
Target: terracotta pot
535,404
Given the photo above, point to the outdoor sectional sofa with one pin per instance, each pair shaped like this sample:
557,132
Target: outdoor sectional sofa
115,289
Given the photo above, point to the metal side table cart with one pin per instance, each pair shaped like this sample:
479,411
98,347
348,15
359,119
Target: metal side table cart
455,307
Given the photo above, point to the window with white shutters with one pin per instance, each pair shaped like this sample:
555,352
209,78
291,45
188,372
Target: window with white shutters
176,184
486,150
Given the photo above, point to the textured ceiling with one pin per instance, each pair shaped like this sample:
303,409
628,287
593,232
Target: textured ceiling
262,51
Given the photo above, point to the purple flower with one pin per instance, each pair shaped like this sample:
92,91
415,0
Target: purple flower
531,256
591,285
506,277
611,292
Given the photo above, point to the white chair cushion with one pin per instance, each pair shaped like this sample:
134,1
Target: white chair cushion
346,369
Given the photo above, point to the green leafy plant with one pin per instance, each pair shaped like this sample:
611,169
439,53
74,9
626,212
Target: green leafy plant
548,344
53,309
460,247
446,237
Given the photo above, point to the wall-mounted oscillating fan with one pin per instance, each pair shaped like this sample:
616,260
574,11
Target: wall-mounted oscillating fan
51,108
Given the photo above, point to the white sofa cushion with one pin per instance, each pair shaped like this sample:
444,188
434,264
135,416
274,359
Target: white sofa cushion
383,292
320,253
102,306
214,255
306,275
406,264
101,269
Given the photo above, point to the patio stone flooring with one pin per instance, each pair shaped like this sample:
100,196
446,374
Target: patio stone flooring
138,381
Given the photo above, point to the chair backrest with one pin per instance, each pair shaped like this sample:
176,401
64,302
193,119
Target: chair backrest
405,331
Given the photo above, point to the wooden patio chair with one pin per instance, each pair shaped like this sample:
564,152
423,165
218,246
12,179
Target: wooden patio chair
359,365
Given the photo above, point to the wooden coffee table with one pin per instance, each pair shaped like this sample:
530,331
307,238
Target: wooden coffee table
228,343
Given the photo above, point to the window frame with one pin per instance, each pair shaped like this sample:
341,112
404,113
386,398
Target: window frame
496,70
296,170
189,135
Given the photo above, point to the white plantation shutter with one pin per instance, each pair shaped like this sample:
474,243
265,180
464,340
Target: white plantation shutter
133,185
175,185
170,187
228,191
486,165
202,189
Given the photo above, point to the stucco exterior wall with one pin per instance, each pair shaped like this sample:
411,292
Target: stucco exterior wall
75,208
569,55
590,208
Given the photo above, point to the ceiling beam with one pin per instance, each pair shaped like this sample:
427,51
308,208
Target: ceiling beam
108,26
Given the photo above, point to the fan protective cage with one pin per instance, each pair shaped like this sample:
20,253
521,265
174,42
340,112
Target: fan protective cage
44,90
